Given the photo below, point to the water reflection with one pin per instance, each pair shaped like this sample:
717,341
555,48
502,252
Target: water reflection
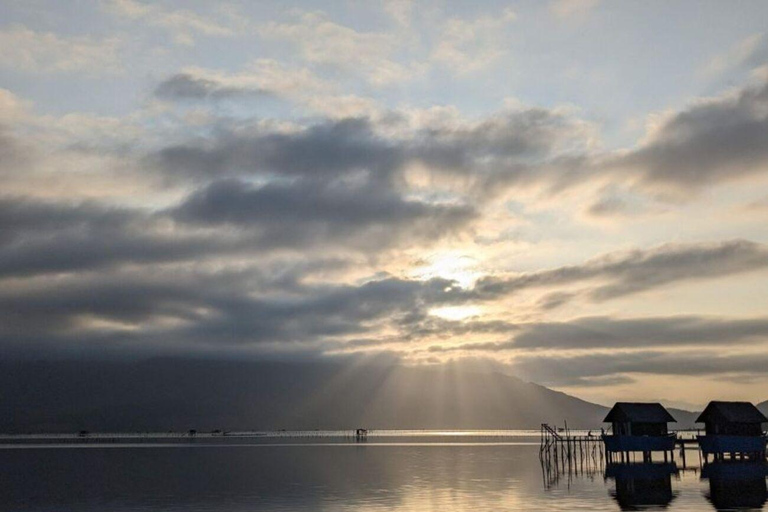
642,486
736,485
440,473
321,476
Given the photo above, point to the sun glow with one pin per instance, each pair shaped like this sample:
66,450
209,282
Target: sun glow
452,265
456,313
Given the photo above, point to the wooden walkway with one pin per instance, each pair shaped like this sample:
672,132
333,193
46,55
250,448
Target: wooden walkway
562,449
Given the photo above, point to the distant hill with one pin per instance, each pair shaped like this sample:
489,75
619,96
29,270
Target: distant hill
685,419
763,406
179,394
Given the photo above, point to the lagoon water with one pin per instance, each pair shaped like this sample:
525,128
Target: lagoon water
390,471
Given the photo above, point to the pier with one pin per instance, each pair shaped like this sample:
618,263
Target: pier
733,431
561,452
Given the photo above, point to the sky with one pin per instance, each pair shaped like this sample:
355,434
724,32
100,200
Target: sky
572,192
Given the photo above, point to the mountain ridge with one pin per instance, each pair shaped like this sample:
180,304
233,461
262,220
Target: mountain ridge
178,394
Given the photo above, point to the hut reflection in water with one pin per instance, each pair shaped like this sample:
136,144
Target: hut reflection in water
736,485
642,486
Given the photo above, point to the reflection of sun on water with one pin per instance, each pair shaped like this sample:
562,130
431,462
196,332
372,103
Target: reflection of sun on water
456,313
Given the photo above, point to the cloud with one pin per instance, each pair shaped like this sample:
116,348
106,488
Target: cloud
608,206
15,153
327,149
608,333
12,108
265,78
490,155
154,307
183,24
48,52
39,237
587,370
258,77
636,271
713,141
323,42
152,310
555,299
400,10
51,237
605,332
468,45
185,86
748,52
308,213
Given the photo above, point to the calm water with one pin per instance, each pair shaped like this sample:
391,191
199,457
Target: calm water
393,472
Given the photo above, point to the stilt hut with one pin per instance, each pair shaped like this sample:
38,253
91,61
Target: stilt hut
733,428
639,427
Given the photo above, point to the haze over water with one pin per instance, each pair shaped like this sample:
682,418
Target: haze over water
408,471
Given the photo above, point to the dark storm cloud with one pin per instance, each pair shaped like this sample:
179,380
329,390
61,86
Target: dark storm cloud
497,144
591,333
41,310
52,309
323,151
205,310
20,217
44,237
595,368
314,212
606,332
498,151
712,141
640,270
323,313
185,86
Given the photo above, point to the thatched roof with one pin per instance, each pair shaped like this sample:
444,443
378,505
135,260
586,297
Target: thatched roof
635,412
731,412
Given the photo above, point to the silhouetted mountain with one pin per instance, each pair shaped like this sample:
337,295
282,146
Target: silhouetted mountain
178,394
